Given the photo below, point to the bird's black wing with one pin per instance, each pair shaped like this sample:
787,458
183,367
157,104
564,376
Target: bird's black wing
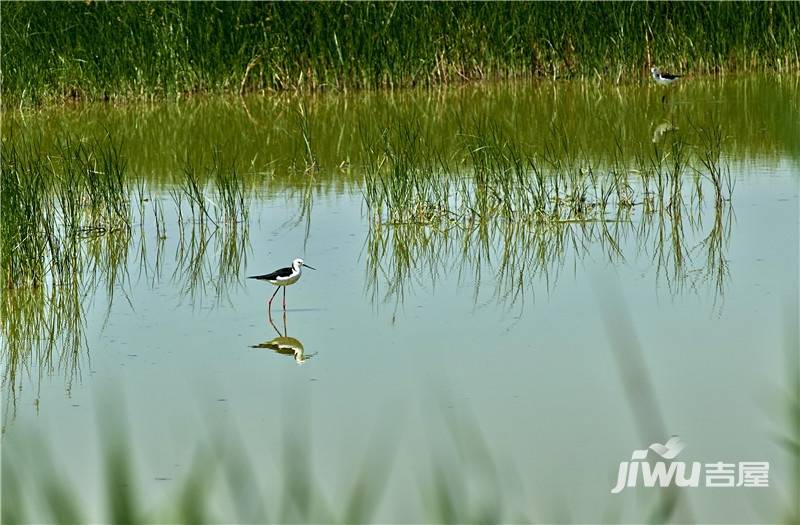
283,272
667,76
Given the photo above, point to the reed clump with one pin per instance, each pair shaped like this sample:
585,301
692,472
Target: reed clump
408,178
499,203
54,198
70,214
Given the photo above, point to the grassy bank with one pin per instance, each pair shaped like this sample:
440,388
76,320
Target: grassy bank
57,51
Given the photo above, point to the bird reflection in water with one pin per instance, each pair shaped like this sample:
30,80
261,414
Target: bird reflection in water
285,345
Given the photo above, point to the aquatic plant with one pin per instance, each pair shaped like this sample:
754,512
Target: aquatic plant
54,199
70,214
520,212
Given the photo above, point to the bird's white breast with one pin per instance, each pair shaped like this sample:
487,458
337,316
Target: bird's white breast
286,281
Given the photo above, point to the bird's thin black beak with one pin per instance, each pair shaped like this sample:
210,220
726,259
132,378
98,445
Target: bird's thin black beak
307,266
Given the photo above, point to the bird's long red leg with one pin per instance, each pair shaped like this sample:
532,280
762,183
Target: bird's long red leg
269,307
275,327
284,298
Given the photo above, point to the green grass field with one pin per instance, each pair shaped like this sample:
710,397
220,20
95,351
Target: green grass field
84,50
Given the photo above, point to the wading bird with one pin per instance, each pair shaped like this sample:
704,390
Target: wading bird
665,79
283,278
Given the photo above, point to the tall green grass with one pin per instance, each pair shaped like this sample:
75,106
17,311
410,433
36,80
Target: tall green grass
52,197
55,51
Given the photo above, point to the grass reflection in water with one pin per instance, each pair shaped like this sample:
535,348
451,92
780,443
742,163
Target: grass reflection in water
523,213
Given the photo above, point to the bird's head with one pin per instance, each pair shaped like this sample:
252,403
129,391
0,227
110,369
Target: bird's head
655,71
298,263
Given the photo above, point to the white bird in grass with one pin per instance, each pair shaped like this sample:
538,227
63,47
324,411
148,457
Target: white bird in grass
665,79
283,278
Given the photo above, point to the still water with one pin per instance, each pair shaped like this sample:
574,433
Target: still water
527,384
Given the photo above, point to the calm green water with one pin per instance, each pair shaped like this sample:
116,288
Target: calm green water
405,328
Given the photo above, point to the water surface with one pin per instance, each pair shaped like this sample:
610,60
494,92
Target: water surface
406,327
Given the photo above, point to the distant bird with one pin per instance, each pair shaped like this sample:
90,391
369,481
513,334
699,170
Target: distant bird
665,79
283,278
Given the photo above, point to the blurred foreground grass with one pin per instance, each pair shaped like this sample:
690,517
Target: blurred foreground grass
462,485
223,485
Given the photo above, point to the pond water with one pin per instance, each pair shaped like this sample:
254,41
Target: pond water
526,363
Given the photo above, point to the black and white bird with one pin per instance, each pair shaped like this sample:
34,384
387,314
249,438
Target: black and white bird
665,79
283,278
